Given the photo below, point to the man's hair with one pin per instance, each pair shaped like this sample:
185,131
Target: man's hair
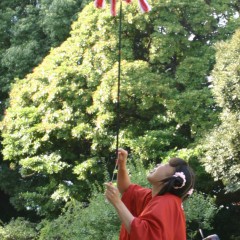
175,184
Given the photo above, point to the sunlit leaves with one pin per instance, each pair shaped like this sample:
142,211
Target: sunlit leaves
86,168
62,117
18,229
46,164
222,145
226,74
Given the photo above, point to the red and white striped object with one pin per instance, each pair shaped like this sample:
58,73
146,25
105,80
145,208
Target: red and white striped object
143,4
145,7
113,7
99,3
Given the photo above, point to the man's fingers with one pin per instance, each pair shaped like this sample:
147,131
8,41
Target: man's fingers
122,154
110,187
108,184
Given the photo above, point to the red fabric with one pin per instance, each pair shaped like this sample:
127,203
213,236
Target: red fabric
144,5
113,7
99,3
157,218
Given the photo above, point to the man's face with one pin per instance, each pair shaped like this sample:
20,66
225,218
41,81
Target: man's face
160,172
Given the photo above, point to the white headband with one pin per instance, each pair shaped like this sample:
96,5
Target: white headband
182,176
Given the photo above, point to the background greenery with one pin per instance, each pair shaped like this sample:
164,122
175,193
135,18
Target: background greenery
179,96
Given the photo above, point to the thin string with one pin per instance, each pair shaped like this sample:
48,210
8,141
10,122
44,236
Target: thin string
119,85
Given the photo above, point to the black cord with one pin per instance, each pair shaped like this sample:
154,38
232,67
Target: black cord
119,83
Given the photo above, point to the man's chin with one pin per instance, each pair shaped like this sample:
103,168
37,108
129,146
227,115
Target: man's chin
149,177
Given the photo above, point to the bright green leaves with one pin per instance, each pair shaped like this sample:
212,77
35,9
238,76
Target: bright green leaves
226,74
62,118
46,164
222,145
86,169
18,229
139,87
19,137
222,152
62,193
142,96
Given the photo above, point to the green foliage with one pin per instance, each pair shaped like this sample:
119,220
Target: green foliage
56,18
61,120
98,219
28,30
142,97
18,229
225,75
222,150
200,211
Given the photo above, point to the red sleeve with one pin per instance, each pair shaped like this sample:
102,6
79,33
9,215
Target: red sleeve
136,198
162,219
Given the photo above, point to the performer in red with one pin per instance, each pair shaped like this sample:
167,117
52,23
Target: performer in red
157,213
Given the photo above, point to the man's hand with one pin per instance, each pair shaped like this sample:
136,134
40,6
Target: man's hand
112,194
122,157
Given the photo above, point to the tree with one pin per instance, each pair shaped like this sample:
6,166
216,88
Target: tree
18,229
25,39
61,121
28,30
222,145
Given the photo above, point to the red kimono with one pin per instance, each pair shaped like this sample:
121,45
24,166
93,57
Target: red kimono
157,218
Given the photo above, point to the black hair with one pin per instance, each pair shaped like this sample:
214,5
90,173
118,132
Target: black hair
175,184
